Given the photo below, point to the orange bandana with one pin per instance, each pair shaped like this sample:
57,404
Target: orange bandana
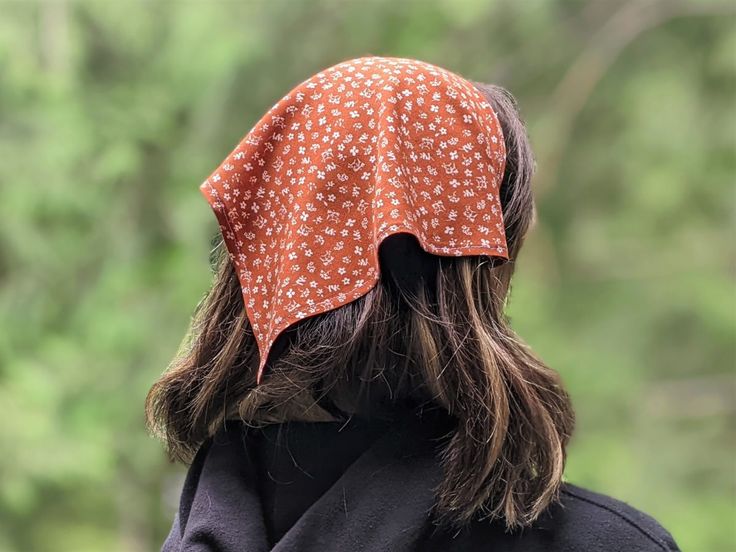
367,148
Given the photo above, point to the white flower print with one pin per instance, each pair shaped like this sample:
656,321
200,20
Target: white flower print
361,150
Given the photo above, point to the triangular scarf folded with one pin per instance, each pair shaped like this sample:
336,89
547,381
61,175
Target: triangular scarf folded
364,149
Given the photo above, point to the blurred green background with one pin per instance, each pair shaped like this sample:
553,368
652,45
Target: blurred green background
112,114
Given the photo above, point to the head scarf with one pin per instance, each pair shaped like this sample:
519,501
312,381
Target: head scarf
364,149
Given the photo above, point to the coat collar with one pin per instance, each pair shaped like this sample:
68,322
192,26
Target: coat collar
383,501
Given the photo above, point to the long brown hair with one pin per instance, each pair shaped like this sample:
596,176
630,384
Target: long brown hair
434,333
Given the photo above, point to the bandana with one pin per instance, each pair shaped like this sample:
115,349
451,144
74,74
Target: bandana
367,148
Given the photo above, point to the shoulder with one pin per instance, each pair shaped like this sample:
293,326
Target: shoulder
581,521
598,522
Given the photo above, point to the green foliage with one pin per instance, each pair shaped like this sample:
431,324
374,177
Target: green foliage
112,113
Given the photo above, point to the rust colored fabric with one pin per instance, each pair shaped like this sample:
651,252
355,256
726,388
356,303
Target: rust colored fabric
364,149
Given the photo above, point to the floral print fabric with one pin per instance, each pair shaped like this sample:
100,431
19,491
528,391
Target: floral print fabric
367,148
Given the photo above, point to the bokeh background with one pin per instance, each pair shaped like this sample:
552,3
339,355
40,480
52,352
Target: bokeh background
113,112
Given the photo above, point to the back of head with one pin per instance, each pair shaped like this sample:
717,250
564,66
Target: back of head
431,333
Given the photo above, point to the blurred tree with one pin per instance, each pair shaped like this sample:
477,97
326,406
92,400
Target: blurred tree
111,114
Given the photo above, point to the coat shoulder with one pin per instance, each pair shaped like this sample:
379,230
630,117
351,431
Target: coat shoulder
581,521
610,524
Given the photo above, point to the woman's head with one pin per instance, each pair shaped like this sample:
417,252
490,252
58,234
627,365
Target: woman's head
431,333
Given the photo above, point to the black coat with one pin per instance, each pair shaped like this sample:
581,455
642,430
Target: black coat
333,487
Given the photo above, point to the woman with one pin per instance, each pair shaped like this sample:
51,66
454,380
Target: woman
340,396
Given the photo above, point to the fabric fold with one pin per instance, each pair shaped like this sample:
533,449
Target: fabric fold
220,509
383,501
